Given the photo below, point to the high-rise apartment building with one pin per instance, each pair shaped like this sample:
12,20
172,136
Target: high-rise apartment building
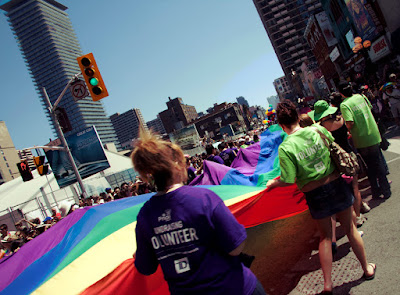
178,115
285,21
8,156
127,126
50,47
156,125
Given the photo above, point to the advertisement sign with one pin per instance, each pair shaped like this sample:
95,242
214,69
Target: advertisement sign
350,39
326,28
379,49
362,19
334,54
187,138
88,154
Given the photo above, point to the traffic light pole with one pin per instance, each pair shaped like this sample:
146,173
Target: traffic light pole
61,136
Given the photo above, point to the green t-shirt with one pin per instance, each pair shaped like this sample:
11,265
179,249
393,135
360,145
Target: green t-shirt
303,156
365,132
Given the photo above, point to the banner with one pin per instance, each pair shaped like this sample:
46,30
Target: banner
88,154
362,19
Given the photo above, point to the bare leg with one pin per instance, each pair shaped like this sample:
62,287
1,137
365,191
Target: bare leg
357,196
325,250
355,239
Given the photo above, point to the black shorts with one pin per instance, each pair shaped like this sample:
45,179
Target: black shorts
329,199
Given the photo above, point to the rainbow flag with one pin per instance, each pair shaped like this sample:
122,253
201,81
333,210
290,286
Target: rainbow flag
91,250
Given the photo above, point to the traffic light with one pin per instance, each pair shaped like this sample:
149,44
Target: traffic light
62,119
25,171
42,168
92,77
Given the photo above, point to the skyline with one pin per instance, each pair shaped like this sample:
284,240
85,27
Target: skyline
147,53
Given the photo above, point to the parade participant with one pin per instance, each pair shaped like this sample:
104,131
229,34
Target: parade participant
227,154
356,111
211,154
305,160
393,95
187,230
329,118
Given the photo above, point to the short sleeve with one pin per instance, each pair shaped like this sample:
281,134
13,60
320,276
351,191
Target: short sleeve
288,168
346,113
228,232
145,259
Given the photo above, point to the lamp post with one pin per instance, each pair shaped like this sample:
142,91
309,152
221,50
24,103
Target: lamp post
296,85
363,47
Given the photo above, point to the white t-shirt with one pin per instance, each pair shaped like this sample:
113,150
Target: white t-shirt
394,97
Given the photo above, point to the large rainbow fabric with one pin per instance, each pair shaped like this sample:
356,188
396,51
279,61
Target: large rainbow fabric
90,251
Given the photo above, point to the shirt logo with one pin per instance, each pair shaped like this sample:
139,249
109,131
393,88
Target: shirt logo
182,265
319,167
166,216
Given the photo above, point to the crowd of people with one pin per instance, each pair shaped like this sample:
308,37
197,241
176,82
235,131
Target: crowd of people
211,241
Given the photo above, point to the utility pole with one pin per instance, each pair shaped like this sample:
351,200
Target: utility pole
61,135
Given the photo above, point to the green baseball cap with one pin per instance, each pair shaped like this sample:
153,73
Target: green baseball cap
321,110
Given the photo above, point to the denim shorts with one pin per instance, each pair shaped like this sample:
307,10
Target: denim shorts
329,199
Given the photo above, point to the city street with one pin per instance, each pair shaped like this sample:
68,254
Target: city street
381,238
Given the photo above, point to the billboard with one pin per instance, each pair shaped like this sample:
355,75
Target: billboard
326,28
362,19
88,154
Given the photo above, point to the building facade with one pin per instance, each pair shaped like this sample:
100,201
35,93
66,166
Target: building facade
242,101
285,21
223,115
156,126
50,47
178,115
282,87
127,126
8,156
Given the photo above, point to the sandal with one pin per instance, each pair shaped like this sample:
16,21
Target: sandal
371,277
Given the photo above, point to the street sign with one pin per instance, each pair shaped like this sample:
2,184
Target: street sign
79,90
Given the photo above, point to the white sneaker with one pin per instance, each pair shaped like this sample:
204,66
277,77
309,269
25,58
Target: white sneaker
360,220
365,208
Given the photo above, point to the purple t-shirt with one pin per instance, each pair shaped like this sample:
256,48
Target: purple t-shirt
216,159
190,232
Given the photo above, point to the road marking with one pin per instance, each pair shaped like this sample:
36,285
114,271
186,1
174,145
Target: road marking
392,160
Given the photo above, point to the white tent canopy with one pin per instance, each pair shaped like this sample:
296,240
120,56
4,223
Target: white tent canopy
24,195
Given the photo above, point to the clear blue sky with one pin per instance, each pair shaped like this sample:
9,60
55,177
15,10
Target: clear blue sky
206,52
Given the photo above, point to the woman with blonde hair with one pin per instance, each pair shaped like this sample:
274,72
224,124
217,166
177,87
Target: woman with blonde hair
187,230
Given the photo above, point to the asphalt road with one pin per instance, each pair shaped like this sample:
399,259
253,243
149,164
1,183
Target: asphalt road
381,238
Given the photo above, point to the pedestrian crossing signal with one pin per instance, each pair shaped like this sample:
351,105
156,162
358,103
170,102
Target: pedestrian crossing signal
42,168
92,76
25,171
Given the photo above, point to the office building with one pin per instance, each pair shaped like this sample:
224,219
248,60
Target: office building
285,21
8,156
50,47
127,126
178,115
156,125
242,101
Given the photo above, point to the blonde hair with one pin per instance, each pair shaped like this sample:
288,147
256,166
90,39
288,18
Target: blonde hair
305,120
162,160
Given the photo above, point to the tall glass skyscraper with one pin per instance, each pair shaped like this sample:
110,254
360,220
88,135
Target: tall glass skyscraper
50,47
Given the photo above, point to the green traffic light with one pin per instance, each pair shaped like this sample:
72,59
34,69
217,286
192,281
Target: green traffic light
94,81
